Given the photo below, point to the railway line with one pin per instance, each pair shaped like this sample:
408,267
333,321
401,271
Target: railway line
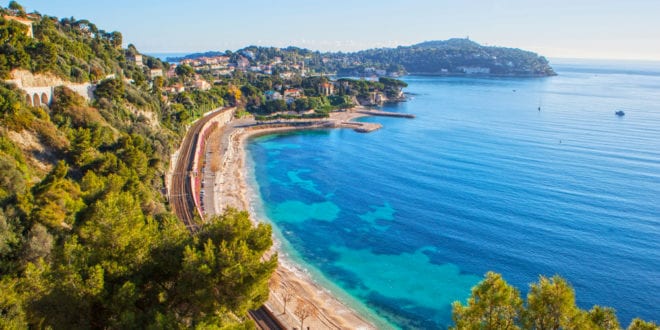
181,193
183,203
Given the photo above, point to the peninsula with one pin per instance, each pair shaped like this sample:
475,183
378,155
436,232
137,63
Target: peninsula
453,57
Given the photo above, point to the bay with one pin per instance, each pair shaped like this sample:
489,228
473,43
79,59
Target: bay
521,176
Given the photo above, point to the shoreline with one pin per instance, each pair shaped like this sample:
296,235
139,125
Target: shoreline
228,172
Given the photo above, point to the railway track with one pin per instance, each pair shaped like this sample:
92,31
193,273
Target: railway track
181,194
183,203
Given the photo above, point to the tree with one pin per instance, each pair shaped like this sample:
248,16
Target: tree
184,71
112,89
604,318
11,306
639,324
116,38
304,309
287,293
16,7
550,304
494,304
222,272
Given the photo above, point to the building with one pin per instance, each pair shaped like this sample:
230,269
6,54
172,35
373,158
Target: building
242,63
171,73
23,21
326,89
474,70
202,84
178,88
272,95
153,73
137,59
293,92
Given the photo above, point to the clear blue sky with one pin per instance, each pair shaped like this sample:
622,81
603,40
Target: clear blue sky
556,28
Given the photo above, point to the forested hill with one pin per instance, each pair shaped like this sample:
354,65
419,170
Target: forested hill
87,239
451,57
456,57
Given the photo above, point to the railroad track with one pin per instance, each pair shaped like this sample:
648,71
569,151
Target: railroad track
183,203
181,194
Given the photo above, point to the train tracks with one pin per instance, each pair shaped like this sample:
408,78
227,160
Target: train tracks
181,193
182,200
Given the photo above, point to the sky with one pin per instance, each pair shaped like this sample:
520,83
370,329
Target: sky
604,29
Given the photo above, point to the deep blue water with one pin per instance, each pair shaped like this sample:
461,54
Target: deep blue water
407,219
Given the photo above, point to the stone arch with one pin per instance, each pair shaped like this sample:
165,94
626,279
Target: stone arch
28,99
44,99
35,100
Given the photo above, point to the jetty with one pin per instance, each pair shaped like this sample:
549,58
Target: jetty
385,113
361,127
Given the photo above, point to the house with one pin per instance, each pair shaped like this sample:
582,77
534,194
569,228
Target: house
178,88
272,95
242,63
153,73
202,84
171,73
474,70
293,92
136,58
23,21
326,89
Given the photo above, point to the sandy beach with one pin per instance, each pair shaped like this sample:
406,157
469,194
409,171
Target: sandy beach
225,186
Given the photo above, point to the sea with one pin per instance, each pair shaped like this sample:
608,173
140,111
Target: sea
521,176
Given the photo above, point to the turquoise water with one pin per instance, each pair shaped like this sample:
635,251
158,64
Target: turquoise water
407,219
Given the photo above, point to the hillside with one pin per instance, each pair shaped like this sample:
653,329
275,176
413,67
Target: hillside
452,57
87,238
455,57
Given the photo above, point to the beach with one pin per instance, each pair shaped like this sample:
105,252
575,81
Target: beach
225,185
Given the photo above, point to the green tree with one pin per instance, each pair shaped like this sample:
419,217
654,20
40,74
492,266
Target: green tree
184,71
550,305
222,271
12,314
15,6
111,89
639,324
494,304
604,318
57,199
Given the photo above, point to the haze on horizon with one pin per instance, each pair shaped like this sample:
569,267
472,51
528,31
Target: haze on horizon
605,29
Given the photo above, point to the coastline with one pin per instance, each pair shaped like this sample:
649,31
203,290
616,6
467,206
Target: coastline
228,172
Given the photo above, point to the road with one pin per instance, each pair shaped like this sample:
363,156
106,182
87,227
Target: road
183,203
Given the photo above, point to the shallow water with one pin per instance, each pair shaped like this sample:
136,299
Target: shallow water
407,219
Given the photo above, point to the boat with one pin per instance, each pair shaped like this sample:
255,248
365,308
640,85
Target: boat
620,113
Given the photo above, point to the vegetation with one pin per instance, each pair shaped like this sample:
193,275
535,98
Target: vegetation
550,305
87,239
448,57
451,57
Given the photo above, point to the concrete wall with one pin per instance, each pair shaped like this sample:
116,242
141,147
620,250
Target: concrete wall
221,118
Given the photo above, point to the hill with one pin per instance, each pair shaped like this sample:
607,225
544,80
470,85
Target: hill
87,238
453,57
